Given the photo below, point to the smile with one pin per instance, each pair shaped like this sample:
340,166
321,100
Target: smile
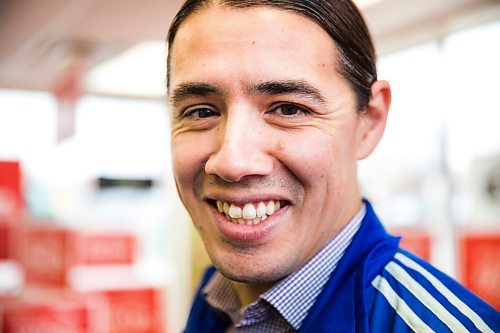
252,213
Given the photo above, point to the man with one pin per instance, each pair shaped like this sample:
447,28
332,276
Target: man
273,103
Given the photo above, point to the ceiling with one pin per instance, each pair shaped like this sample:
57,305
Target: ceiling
39,38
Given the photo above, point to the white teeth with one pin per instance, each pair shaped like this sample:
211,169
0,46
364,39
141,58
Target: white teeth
261,209
235,211
270,208
249,212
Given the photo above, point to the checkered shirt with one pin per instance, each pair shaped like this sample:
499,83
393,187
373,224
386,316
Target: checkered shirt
284,307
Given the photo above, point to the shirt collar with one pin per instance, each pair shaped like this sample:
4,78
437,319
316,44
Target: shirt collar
221,295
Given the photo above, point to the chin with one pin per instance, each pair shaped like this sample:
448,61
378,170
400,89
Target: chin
252,273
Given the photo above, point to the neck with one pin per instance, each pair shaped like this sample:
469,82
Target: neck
250,292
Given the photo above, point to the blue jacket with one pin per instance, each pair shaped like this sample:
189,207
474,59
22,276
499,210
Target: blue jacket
377,287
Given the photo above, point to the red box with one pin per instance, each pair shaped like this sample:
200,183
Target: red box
47,253
11,194
415,240
47,315
43,253
135,310
104,249
480,264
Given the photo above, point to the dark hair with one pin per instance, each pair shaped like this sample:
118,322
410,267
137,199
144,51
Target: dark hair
341,19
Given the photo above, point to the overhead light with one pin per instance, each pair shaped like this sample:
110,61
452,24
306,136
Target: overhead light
137,72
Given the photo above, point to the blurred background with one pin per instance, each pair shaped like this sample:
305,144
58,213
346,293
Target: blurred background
92,235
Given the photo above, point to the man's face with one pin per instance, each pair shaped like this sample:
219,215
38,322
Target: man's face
260,117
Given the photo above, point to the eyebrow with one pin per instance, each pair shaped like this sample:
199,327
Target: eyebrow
294,87
186,90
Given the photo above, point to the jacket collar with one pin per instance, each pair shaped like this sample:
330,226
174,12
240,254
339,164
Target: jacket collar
341,305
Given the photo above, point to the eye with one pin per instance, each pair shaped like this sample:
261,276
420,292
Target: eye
199,113
289,110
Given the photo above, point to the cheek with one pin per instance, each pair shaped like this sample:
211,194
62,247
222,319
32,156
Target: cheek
181,161
317,160
188,156
309,161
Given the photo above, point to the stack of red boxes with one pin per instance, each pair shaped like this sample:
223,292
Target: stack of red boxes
50,302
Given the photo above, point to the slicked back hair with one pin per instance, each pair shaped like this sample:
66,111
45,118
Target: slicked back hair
341,19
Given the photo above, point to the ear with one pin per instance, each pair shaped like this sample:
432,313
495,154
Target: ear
374,118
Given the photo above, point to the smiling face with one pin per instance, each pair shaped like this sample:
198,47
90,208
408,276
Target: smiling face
262,118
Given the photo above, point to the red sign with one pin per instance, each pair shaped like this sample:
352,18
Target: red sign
43,253
104,248
480,265
48,253
135,311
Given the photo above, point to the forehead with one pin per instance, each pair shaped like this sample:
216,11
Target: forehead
236,18
257,41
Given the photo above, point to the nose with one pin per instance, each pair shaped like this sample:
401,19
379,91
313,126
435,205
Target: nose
241,149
